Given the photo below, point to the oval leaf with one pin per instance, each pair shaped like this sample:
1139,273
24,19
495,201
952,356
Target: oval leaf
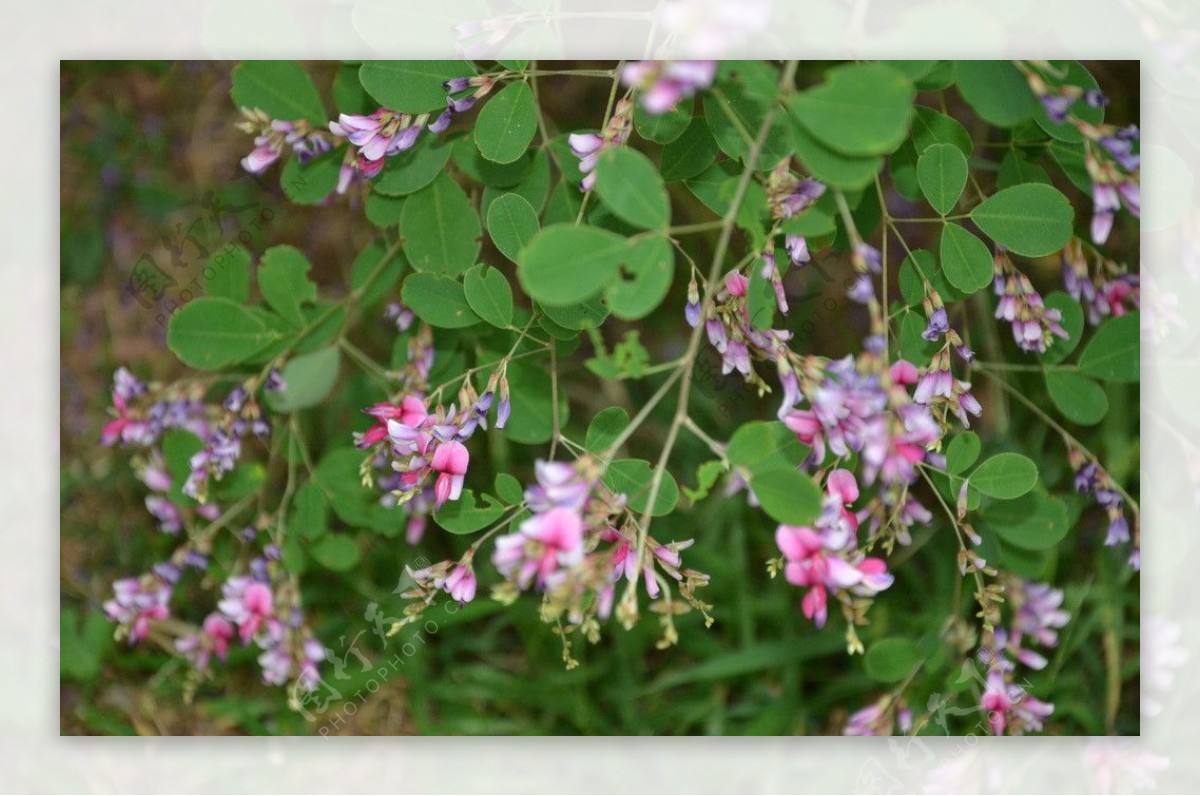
488,293
1005,476
860,109
512,222
438,300
966,261
629,185
210,333
1031,219
787,496
1080,399
632,478
507,124
565,264
1115,352
942,173
890,660
411,86
440,228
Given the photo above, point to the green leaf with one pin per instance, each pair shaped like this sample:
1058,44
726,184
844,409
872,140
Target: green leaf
577,317
178,447
338,553
1080,399
211,333
532,420
913,346
760,300
512,222
438,300
632,478
930,127
565,264
690,153
283,280
82,648
231,274
411,170
833,168
309,379
891,660
1031,219
384,211
1033,522
311,183
464,516
488,293
966,260
746,91
1115,352
629,185
1005,476
310,514
348,94
411,86
1015,170
644,278
507,124
942,173
663,128
860,109
496,175
1072,324
787,496
706,476
366,268
604,429
509,489
533,187
440,228
765,445
282,89
997,91
962,452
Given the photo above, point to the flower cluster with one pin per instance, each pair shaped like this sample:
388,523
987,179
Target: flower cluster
1106,291
577,545
588,146
1034,326
825,559
1037,617
419,444
885,716
272,135
664,83
1092,479
1111,158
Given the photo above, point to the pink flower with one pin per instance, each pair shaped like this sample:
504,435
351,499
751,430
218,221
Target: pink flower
461,584
248,604
545,543
137,602
450,462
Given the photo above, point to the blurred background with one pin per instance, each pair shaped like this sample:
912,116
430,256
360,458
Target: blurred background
149,157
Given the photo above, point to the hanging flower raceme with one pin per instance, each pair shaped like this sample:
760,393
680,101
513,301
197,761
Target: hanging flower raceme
1034,326
1115,180
1037,618
1107,290
137,602
272,136
825,558
1092,479
664,83
588,146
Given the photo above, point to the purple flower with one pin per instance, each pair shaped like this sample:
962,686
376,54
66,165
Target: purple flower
797,249
862,291
275,382
664,83
1107,202
938,325
1056,106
